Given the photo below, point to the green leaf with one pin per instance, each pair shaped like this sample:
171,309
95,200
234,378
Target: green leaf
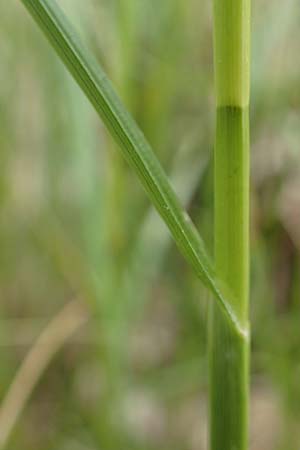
132,143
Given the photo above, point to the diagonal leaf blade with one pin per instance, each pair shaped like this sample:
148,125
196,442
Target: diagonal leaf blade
132,143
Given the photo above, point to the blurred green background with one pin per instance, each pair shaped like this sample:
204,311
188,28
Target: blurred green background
77,229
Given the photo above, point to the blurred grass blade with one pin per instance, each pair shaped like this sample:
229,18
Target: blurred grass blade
132,142
61,328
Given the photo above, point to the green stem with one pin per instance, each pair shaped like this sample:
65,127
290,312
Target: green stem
228,350
232,52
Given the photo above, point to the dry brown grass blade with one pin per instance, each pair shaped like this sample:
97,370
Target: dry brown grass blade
50,341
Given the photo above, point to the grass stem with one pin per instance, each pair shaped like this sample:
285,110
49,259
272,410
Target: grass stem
229,351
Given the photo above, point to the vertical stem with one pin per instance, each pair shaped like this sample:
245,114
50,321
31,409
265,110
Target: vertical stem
229,350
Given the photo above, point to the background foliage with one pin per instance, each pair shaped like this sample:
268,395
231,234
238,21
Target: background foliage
75,224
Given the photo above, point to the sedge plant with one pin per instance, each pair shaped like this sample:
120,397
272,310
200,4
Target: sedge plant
227,278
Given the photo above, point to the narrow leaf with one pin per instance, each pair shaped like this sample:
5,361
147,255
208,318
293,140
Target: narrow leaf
132,143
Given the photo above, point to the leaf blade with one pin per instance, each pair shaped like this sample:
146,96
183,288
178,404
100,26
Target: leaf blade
134,147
